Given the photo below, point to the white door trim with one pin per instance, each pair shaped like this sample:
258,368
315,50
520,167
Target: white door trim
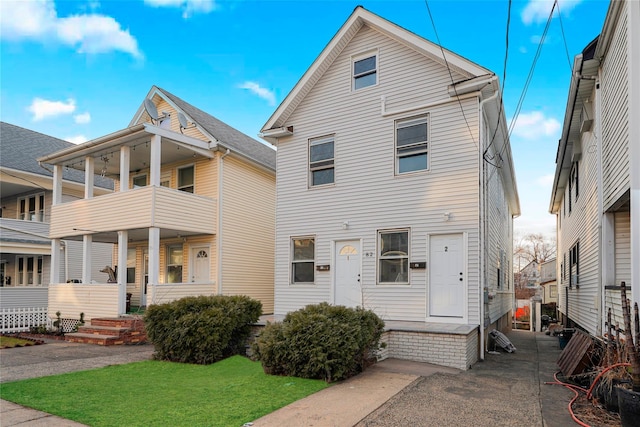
334,245
192,250
465,270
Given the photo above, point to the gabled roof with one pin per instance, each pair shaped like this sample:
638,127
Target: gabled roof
359,18
221,133
20,147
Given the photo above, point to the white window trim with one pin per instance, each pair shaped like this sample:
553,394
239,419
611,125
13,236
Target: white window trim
133,178
321,140
291,260
22,281
378,238
192,165
405,122
359,57
38,208
168,264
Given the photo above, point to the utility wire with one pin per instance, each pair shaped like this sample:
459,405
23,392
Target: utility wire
426,2
566,48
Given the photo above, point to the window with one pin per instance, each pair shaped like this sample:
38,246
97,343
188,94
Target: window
186,179
29,270
574,265
174,264
574,180
365,72
553,291
393,257
131,265
303,260
31,208
321,163
139,181
411,144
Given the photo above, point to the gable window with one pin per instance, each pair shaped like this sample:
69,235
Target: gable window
174,264
321,161
303,260
412,144
186,179
31,208
139,181
365,72
393,257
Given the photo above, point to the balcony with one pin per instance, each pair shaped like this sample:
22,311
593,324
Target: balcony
139,208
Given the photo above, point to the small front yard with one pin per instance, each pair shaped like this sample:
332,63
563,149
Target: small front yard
231,392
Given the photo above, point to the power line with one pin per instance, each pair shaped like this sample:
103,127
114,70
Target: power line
433,24
566,48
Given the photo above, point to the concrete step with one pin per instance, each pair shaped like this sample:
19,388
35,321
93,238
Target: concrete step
80,337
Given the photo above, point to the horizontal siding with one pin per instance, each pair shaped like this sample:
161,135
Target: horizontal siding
71,299
622,225
248,222
615,115
101,256
23,297
366,191
171,292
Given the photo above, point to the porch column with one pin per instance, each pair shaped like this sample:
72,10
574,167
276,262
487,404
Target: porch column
54,273
125,157
57,185
154,162
123,237
87,239
154,260
89,171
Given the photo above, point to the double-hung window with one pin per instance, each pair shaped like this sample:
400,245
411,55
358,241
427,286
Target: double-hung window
31,208
365,71
302,260
412,144
174,264
393,257
29,270
574,265
139,181
186,179
321,161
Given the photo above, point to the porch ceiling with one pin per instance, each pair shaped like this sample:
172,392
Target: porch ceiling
136,235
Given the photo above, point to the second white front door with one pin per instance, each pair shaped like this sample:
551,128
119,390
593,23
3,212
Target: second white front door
348,290
446,276
200,264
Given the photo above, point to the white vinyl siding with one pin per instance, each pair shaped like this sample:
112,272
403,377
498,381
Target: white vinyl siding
615,116
368,193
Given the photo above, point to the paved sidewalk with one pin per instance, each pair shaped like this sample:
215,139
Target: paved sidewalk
506,389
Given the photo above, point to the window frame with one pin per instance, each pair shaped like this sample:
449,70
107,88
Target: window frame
133,180
408,122
168,263
192,185
294,261
23,273
24,211
380,257
574,261
375,71
324,164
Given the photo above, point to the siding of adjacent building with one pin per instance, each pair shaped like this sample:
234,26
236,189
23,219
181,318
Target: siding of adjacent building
366,191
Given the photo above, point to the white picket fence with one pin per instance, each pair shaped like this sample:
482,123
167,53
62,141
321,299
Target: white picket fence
21,319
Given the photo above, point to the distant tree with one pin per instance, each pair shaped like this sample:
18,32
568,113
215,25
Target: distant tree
529,252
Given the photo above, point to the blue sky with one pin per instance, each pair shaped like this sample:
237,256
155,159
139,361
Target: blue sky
80,69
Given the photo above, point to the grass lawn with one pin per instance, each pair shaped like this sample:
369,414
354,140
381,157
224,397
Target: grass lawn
10,342
231,392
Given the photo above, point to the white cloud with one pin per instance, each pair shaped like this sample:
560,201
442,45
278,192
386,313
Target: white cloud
535,125
78,139
537,11
545,180
263,93
43,108
523,49
189,7
82,118
88,33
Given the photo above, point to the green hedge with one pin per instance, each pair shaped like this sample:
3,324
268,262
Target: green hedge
320,341
201,329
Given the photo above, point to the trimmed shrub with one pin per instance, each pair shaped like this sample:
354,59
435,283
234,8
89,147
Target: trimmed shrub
202,329
320,341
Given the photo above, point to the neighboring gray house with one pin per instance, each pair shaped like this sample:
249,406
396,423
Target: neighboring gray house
596,189
25,209
548,283
382,145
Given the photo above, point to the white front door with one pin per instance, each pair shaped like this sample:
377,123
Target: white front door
446,276
200,264
347,275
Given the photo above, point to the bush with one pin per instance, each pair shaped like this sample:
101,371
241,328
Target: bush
320,341
201,329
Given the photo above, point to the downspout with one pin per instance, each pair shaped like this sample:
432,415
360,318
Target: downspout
220,192
63,244
601,215
481,239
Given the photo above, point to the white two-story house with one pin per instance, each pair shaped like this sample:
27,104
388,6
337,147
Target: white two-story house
396,191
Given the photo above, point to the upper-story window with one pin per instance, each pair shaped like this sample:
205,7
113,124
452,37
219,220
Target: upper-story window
186,179
412,144
139,181
31,208
365,71
321,161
